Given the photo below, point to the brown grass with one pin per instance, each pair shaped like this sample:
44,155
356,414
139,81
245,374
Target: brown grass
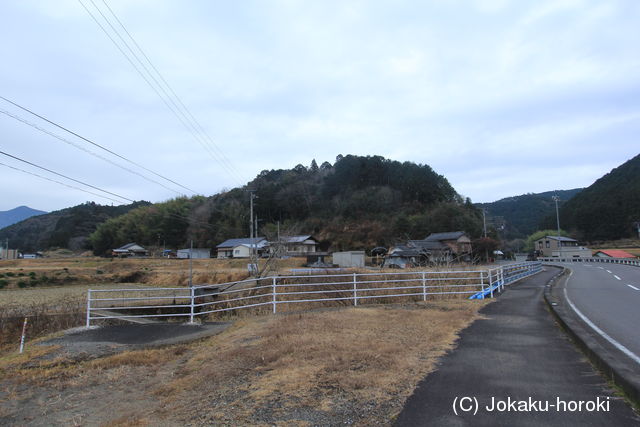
43,318
290,369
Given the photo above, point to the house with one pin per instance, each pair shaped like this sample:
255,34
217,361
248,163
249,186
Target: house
437,248
349,259
196,253
241,248
130,249
613,253
293,245
560,246
403,256
457,241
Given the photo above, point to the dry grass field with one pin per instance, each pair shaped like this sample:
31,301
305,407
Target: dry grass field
323,367
52,291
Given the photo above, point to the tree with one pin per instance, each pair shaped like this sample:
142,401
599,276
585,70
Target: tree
484,247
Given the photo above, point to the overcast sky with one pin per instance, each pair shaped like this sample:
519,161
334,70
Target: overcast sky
500,97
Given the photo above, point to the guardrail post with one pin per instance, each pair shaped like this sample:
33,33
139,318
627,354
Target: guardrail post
482,283
192,293
355,290
424,287
502,277
273,294
88,308
490,284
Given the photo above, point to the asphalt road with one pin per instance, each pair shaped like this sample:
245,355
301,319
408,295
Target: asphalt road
608,295
516,352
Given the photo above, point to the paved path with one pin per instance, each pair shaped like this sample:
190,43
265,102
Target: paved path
517,352
106,340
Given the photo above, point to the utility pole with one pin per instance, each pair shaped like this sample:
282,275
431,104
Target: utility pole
484,232
484,223
252,236
556,199
637,224
191,264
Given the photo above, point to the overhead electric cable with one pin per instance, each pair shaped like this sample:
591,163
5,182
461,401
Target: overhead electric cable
64,176
175,95
59,182
94,144
80,147
195,130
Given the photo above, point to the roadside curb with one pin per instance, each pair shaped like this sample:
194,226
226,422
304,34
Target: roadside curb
604,359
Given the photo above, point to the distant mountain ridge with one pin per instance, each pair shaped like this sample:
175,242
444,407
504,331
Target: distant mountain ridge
66,228
606,210
18,214
521,215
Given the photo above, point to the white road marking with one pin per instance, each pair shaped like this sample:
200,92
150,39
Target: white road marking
601,268
617,277
602,333
633,287
609,271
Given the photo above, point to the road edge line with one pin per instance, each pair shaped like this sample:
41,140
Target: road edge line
595,352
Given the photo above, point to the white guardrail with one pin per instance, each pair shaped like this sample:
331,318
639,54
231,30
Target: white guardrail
625,261
351,289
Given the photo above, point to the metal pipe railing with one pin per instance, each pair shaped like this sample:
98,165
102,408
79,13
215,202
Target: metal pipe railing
357,287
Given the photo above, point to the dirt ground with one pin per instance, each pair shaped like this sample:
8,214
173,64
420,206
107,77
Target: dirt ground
353,366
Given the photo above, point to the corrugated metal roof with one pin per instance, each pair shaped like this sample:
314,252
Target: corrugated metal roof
244,241
561,238
616,253
452,235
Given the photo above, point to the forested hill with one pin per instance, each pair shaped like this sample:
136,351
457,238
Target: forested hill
522,215
356,203
67,228
607,209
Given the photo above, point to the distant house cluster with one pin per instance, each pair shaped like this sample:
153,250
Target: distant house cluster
436,248
284,246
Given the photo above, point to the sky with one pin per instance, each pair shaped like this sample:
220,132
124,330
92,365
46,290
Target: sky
500,97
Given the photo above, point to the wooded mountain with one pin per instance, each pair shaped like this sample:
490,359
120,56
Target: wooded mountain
607,209
17,214
67,228
356,203
522,215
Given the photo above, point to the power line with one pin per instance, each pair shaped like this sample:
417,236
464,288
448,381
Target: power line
187,120
97,145
64,176
175,95
59,182
80,147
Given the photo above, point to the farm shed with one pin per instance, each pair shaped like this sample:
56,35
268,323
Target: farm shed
197,253
349,259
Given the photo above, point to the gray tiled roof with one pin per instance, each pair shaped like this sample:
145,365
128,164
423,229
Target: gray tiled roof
452,235
427,244
245,241
295,239
129,246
